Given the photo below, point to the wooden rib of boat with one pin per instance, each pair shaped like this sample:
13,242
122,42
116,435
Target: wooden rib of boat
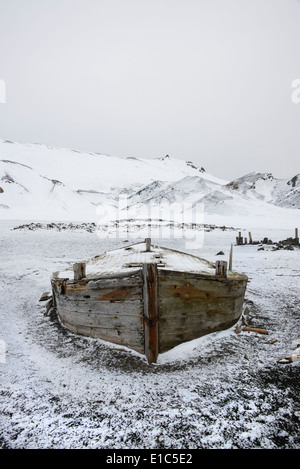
148,298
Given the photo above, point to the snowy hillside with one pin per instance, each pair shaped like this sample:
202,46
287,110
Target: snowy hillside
38,182
264,187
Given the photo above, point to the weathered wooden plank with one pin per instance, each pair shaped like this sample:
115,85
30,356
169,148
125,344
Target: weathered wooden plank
104,294
215,308
150,295
84,293
102,320
255,329
126,307
115,335
103,283
124,281
201,288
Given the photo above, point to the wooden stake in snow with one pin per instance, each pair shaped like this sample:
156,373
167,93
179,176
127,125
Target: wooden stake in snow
148,244
296,236
250,237
230,258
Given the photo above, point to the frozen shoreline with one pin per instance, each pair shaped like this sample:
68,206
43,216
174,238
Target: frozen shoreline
226,390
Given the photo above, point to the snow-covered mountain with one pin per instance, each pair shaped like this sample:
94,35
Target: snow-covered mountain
264,187
39,182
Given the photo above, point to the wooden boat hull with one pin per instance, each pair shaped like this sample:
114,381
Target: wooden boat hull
150,310
192,305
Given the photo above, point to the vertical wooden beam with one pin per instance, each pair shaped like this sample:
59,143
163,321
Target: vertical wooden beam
230,258
150,294
250,237
221,269
79,271
296,236
239,239
54,298
148,244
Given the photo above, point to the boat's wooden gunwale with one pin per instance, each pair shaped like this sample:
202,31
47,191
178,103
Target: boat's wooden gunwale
162,271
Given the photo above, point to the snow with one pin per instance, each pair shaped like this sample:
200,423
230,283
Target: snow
223,391
119,260
44,183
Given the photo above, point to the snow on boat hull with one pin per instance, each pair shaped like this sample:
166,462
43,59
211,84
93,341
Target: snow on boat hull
148,306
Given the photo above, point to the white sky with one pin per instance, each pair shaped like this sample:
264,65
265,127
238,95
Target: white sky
202,80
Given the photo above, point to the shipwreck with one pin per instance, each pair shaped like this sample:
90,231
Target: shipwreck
148,298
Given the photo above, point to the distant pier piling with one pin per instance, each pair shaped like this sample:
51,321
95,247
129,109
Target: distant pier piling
239,239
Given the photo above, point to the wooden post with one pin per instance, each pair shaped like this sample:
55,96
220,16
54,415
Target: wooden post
79,271
150,294
53,298
221,269
250,237
245,241
230,258
296,236
148,244
239,239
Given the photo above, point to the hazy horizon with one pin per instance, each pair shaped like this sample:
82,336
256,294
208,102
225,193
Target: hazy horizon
208,81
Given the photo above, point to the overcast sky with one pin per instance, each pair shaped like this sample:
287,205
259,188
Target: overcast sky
203,80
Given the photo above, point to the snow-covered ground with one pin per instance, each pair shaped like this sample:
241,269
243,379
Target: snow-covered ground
226,390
